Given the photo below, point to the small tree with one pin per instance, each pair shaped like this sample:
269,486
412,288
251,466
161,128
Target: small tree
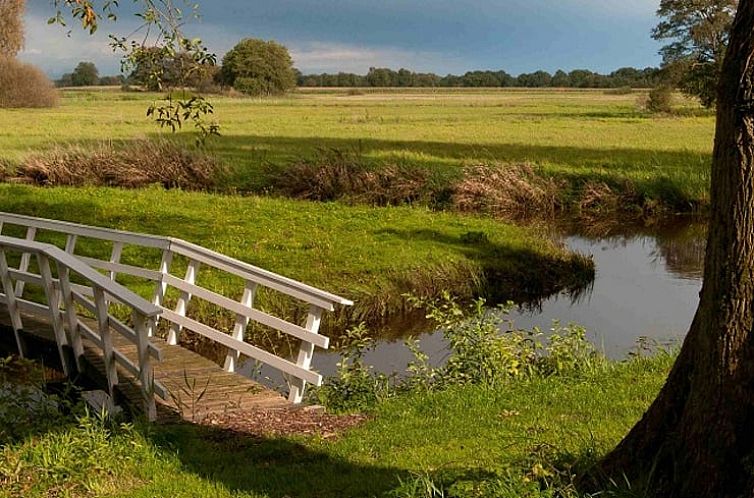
259,67
11,27
660,99
85,74
697,31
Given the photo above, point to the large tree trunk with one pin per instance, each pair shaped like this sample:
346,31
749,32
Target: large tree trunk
697,438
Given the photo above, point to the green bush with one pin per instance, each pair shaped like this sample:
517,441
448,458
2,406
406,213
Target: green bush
355,386
660,99
255,87
485,348
258,67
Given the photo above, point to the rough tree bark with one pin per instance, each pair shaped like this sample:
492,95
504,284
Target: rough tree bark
697,438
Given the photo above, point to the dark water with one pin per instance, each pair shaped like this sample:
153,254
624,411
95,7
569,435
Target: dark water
647,285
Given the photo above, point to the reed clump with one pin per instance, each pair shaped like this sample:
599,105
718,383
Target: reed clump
336,175
506,191
133,165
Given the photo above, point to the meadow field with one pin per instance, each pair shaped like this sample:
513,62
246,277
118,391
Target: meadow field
585,149
572,135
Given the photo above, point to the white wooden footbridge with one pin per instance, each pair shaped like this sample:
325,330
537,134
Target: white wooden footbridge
52,287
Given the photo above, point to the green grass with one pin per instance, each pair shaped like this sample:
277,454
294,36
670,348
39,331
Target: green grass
464,439
371,255
577,136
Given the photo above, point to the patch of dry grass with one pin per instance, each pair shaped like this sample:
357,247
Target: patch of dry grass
506,191
335,175
133,165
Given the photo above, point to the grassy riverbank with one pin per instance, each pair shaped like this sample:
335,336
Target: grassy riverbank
371,255
523,439
601,151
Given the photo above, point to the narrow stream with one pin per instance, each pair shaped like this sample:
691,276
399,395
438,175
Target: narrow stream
647,285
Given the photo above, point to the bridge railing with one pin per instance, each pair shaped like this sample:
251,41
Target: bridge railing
59,301
296,369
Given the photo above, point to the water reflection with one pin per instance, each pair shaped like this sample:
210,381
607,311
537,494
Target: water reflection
647,284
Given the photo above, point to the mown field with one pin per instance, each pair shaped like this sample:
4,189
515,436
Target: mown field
576,136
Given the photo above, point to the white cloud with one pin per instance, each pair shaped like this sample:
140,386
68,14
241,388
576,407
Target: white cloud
334,57
55,51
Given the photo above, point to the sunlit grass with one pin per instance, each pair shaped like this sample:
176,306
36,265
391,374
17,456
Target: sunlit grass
577,135
462,439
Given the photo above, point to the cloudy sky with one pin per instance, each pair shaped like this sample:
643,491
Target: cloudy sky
442,36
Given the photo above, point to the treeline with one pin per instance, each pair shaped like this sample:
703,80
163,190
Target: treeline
87,74
578,78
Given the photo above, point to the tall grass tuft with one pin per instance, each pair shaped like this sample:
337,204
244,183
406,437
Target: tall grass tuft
24,86
506,191
335,175
133,165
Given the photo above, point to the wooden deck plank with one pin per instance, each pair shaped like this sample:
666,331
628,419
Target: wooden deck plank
221,392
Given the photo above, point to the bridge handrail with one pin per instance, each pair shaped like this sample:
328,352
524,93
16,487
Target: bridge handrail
116,291
60,309
179,246
297,369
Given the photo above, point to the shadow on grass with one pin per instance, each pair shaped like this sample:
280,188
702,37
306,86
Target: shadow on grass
676,175
517,274
244,152
275,467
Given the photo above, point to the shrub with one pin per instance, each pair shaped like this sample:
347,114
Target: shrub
337,175
258,67
660,99
355,386
252,86
24,86
137,164
506,190
485,349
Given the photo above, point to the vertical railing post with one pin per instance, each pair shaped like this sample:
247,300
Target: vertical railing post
70,243
247,299
103,324
31,233
115,255
161,287
69,309
10,297
146,373
182,306
305,354
53,305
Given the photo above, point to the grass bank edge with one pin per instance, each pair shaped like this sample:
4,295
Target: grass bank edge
371,255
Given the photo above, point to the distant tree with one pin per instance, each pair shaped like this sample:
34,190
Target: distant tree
580,78
85,74
481,79
381,77
697,32
263,68
537,79
11,27
560,79
112,80
65,80
155,68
